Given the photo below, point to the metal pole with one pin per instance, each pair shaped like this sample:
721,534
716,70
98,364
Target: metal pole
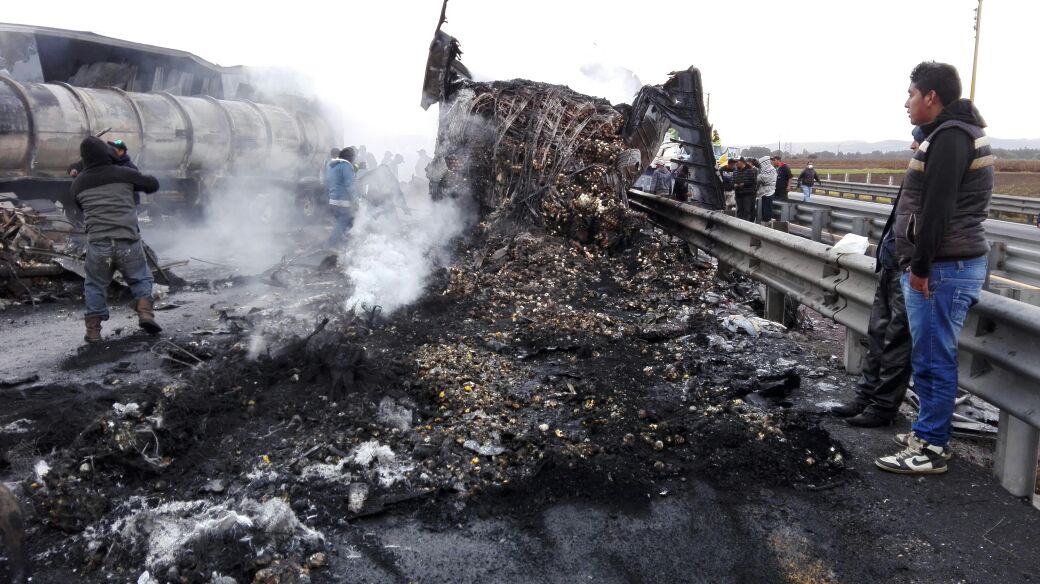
975,61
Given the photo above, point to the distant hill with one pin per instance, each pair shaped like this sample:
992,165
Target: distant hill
861,147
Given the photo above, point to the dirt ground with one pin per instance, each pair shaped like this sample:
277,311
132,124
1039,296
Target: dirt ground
545,412
1013,177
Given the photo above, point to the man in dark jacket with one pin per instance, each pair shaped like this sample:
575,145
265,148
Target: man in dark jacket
783,178
121,157
745,183
726,172
105,194
886,369
942,248
806,180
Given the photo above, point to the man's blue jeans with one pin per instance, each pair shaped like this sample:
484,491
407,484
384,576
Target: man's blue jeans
342,222
106,256
806,192
935,325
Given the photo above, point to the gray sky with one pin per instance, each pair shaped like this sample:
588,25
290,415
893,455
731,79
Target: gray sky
809,70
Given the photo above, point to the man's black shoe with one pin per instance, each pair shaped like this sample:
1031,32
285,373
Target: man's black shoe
848,410
869,419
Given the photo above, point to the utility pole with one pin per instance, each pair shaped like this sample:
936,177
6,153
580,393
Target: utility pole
975,61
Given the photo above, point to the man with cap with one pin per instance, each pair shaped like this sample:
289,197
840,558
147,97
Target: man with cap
121,157
661,181
104,192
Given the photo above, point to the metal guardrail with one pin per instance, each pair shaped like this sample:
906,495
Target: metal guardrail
999,347
999,204
1015,253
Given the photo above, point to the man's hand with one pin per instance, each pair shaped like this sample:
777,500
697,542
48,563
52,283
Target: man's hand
920,284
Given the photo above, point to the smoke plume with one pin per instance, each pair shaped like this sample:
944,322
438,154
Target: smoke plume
390,257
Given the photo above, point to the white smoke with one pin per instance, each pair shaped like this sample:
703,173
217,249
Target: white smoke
238,233
389,257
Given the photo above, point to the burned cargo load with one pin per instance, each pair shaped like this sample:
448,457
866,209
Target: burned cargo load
535,154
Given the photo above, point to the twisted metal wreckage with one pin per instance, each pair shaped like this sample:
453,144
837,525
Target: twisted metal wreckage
535,153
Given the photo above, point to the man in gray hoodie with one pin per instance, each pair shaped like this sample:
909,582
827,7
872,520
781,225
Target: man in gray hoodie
105,194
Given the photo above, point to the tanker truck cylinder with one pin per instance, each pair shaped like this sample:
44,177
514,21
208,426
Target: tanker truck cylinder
169,136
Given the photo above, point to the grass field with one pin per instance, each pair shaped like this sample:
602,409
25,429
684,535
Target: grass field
1013,177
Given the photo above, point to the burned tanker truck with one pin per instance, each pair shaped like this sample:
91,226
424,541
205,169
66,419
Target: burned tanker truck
202,129
535,154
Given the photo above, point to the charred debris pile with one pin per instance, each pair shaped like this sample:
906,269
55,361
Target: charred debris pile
533,154
536,368
26,248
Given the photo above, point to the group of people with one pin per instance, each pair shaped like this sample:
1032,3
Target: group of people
352,177
932,263
752,185
106,190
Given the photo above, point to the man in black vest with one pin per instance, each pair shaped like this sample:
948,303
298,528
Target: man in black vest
942,250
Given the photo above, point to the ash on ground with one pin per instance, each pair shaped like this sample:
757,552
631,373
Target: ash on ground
534,369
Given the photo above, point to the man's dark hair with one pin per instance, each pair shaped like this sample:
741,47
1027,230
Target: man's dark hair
775,157
348,154
940,77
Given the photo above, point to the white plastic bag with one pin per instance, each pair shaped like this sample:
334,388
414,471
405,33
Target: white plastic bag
851,243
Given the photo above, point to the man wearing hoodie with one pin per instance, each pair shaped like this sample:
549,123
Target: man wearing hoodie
942,251
105,194
341,182
766,187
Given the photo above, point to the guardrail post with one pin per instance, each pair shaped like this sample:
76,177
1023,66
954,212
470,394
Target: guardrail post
787,211
1014,462
775,300
891,180
868,178
861,226
997,257
855,351
828,176
846,177
820,219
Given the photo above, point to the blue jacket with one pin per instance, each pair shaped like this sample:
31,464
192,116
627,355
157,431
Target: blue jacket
341,181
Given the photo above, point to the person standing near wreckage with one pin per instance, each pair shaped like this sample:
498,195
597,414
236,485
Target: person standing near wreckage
105,194
341,182
886,369
745,183
942,248
661,180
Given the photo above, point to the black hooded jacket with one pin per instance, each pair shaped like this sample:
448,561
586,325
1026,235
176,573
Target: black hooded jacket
105,193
